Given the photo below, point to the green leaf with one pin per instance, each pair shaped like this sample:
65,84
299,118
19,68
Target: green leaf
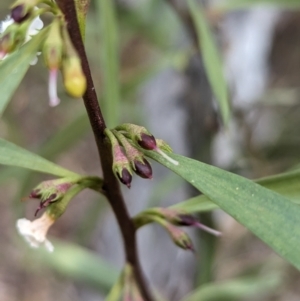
211,59
15,66
78,263
199,203
13,155
241,4
272,217
110,61
237,289
287,184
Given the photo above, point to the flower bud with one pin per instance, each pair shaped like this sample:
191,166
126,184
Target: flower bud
180,238
20,13
53,46
50,191
147,142
11,39
21,9
74,79
125,177
143,169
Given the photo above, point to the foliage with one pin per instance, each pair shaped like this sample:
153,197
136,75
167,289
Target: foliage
268,207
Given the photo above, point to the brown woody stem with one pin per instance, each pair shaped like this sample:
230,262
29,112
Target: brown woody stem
111,184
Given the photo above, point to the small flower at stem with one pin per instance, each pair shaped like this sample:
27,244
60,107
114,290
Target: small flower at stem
35,232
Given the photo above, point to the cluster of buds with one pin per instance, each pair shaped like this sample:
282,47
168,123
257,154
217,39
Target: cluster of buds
171,219
58,50
54,195
127,142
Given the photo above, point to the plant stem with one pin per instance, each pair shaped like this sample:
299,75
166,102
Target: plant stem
111,184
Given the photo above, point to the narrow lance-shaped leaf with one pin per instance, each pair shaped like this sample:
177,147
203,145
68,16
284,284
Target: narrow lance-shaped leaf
211,59
286,184
272,217
13,155
15,66
234,290
110,60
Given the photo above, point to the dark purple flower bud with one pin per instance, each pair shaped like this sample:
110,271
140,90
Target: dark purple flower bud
19,14
147,142
126,177
144,170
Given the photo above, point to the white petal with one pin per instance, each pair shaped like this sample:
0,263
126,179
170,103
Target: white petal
35,232
35,26
4,24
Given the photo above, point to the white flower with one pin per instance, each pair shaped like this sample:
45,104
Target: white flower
35,232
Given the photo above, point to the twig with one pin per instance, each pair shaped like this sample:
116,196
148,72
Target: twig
111,185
